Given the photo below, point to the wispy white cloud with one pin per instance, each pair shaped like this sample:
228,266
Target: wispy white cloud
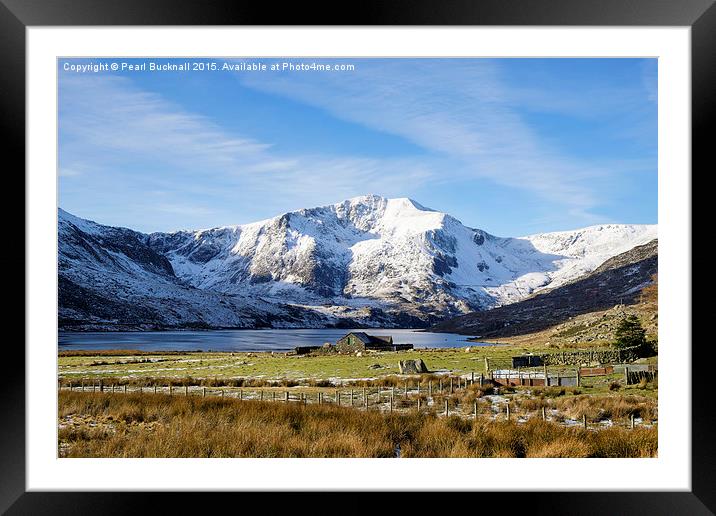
469,120
468,115
109,114
109,126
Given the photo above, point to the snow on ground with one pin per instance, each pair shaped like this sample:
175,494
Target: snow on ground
369,251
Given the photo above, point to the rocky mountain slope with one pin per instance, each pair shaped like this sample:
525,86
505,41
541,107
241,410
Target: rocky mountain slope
368,261
603,293
597,328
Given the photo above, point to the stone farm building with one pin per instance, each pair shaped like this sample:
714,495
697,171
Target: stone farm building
361,341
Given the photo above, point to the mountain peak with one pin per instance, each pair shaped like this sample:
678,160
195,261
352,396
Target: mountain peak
366,260
88,226
410,203
374,200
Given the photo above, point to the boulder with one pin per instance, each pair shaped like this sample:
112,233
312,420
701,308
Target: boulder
412,366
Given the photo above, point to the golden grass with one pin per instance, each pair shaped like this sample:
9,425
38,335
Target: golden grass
164,381
607,407
149,425
596,408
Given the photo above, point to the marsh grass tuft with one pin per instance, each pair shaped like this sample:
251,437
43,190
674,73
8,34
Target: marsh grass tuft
149,425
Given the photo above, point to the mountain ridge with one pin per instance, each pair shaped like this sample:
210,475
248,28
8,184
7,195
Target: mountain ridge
365,261
618,281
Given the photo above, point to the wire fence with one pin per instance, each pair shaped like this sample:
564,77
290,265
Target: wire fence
452,397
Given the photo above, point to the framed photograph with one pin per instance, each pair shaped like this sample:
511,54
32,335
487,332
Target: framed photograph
421,252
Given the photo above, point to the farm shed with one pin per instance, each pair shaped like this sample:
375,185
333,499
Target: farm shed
304,350
526,361
361,341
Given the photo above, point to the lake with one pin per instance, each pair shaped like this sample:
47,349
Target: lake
246,340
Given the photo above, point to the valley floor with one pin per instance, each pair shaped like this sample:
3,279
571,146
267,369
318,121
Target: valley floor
319,406
157,425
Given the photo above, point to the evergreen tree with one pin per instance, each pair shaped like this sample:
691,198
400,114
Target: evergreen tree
630,333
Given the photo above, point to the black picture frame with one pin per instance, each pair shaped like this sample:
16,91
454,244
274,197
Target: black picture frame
17,15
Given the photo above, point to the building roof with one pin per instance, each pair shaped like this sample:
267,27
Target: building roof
360,335
371,339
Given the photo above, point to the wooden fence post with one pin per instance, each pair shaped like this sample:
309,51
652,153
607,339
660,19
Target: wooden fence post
155,388
286,396
418,404
170,389
447,408
584,420
222,393
261,394
544,414
365,399
406,388
125,388
203,392
474,409
579,378
430,388
352,402
626,375
273,395
186,390
482,379
631,421
451,385
241,394
546,379
508,410
391,401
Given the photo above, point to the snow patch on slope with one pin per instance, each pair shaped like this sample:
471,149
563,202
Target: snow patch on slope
364,256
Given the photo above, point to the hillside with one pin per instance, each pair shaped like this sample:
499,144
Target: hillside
364,262
583,310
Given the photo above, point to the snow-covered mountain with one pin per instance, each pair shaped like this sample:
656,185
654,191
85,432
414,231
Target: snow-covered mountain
365,261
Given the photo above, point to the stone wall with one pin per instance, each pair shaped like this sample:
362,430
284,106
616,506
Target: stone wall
349,344
603,356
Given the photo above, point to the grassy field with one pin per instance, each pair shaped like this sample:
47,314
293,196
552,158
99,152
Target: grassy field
283,366
156,425
204,418
266,369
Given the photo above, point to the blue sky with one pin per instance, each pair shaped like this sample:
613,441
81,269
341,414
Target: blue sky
511,146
